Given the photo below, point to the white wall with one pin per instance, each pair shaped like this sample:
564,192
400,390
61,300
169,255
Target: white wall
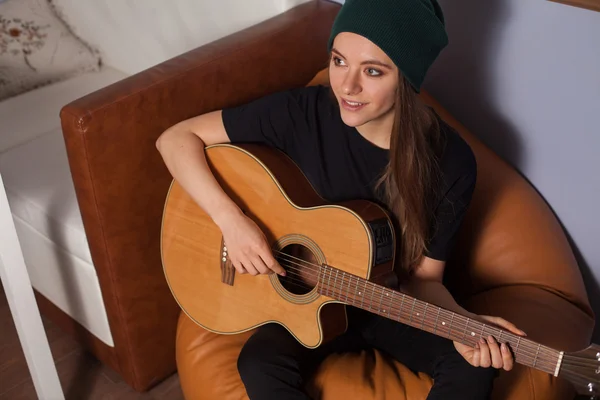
524,76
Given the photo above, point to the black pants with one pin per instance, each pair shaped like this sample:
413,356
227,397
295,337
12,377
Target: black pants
274,365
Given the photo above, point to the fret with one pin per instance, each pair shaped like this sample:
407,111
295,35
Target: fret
436,320
381,301
324,287
401,306
342,287
500,336
362,300
386,306
517,349
412,311
319,275
482,326
329,283
348,292
536,355
424,312
450,327
465,331
392,302
335,283
356,292
372,294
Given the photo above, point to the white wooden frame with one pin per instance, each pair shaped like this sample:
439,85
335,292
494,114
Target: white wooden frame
24,309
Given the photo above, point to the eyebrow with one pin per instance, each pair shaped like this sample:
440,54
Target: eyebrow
370,62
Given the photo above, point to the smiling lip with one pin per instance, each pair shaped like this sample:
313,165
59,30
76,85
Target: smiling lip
353,106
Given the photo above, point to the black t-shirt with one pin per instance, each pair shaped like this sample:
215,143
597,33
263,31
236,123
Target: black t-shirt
340,163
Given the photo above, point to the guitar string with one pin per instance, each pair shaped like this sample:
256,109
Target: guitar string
541,361
583,381
487,328
583,362
571,359
315,270
540,351
540,356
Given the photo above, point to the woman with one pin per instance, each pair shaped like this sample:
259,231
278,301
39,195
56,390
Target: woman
368,137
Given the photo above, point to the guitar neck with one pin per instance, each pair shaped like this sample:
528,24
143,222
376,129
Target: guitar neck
377,299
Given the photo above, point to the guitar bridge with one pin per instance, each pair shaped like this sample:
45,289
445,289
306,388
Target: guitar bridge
227,268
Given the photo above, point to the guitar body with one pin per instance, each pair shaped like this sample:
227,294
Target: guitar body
333,254
356,237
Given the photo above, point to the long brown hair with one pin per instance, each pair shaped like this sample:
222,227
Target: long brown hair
409,186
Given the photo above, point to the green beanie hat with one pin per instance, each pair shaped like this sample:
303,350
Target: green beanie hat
410,32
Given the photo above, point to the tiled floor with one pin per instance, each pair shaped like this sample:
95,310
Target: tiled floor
81,375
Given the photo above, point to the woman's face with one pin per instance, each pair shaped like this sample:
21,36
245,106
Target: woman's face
364,80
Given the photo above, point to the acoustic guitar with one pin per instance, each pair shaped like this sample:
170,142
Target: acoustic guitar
334,254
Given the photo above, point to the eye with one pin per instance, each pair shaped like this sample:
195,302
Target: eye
373,72
337,61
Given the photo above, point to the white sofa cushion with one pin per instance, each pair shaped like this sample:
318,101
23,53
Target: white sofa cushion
42,199
40,192
66,280
35,113
157,30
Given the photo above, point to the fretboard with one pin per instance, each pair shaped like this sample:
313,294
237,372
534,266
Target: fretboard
353,290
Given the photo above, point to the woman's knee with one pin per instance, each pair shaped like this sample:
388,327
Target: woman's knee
270,348
248,359
255,352
452,370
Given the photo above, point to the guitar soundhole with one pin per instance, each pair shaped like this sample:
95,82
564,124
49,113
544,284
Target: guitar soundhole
301,268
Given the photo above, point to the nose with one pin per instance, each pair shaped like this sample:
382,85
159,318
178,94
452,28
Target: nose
351,85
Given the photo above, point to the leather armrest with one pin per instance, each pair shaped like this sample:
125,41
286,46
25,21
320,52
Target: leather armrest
121,182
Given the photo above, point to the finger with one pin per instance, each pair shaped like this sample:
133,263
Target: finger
259,264
497,361
476,355
507,357
270,262
507,325
247,264
239,267
484,359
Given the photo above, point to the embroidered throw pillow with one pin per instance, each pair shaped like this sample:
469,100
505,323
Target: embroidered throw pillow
36,48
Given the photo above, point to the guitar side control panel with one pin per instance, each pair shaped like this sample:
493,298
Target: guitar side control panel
383,238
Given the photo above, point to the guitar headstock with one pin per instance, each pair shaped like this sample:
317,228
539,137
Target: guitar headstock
582,369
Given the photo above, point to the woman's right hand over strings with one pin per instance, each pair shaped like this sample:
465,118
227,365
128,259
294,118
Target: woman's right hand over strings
247,246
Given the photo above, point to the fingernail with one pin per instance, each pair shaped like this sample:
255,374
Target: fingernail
523,333
490,339
503,347
482,340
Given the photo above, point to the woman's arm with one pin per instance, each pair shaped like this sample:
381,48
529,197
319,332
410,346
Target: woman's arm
182,149
426,285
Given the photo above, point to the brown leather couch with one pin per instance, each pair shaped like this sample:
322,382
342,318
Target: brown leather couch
512,258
